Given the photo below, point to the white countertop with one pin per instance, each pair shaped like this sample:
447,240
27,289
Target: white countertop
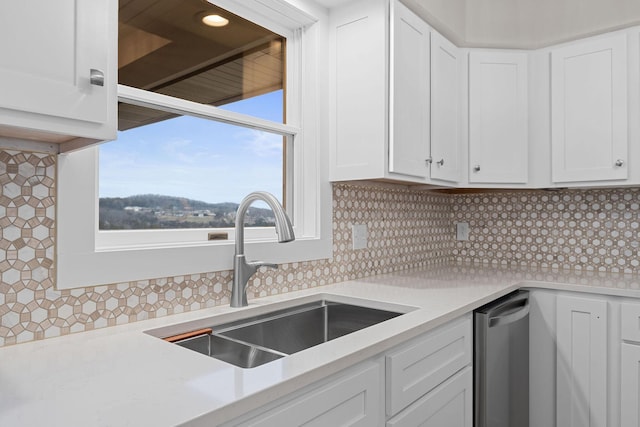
121,376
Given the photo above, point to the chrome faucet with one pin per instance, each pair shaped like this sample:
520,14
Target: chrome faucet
243,270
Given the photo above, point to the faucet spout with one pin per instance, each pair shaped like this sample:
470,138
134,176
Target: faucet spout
243,270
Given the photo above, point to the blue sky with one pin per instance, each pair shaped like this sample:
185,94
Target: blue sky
196,158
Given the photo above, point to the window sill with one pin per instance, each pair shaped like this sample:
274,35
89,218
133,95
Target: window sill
151,239
78,269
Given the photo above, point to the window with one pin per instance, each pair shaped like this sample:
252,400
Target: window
86,257
177,171
186,172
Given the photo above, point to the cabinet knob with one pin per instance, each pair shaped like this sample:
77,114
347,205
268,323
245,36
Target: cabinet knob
440,162
428,161
619,163
476,168
96,77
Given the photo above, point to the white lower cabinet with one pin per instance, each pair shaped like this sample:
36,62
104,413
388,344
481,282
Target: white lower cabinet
430,380
448,405
585,371
355,399
417,367
630,386
630,365
595,375
630,322
426,381
582,363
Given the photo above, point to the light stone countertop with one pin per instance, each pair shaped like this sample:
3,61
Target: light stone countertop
122,376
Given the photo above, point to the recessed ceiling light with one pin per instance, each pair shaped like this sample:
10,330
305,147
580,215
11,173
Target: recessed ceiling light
214,20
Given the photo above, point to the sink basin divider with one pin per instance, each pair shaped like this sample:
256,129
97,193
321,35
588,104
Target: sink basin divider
248,344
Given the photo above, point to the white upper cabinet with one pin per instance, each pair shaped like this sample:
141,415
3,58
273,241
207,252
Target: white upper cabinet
498,117
589,133
409,107
447,74
58,74
380,93
359,81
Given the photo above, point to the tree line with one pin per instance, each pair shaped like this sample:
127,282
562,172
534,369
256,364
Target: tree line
153,211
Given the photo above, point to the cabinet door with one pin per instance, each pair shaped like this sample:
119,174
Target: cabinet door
359,81
581,362
409,98
589,110
630,390
449,405
446,78
355,399
498,117
49,53
630,322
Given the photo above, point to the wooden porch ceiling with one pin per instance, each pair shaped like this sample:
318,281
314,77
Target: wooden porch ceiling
164,48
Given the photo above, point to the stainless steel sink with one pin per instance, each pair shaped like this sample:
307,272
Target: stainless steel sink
236,353
305,326
257,340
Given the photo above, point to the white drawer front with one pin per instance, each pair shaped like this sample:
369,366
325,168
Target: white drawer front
424,363
630,322
351,401
450,405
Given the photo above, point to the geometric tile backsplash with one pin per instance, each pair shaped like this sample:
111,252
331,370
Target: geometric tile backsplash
570,229
590,230
406,229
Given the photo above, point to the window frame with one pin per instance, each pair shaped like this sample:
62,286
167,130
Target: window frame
122,239
81,262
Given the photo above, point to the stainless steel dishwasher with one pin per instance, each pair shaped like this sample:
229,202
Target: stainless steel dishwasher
501,362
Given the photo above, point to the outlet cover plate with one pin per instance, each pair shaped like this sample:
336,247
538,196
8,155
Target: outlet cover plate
462,231
360,236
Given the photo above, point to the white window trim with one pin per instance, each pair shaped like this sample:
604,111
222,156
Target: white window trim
131,239
81,264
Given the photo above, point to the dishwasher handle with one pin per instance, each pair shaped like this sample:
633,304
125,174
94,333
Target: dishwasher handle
509,311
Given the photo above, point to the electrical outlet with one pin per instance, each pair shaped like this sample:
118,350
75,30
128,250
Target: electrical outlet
462,231
360,236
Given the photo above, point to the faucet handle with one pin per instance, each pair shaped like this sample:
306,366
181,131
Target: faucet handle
258,264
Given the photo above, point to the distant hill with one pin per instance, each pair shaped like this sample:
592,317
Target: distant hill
154,211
